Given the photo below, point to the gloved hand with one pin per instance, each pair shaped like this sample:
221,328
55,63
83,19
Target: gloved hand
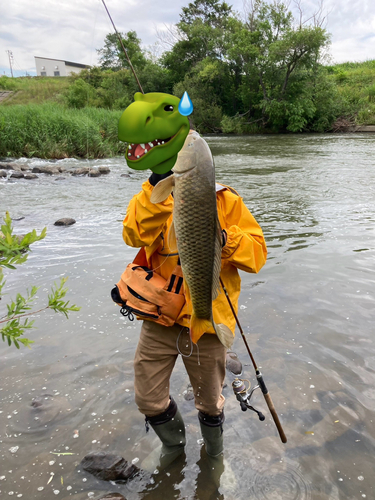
224,237
155,178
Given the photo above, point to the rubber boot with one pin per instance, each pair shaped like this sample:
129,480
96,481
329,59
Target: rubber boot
212,433
170,428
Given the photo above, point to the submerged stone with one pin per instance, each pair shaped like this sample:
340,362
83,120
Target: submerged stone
233,364
112,496
108,466
64,222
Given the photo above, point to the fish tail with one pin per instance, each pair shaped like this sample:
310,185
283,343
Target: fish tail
198,327
224,334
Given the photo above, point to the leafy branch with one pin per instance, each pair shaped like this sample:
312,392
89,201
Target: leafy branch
14,251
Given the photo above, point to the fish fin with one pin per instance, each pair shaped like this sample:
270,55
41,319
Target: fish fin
224,334
162,190
198,327
172,239
217,263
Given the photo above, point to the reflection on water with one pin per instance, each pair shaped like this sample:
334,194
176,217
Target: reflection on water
308,318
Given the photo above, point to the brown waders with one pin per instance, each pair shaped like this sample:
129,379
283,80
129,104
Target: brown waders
156,355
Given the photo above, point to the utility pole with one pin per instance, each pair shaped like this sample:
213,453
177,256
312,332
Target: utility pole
10,55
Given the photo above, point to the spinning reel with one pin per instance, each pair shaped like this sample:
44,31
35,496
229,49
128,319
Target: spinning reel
243,395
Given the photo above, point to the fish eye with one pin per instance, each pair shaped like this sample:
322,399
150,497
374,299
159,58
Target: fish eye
168,107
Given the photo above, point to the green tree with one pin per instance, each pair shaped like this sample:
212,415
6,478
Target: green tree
278,56
112,56
13,252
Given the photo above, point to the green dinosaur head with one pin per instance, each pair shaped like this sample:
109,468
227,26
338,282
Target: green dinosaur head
155,131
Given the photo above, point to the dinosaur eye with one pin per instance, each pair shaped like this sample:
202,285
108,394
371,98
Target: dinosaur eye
168,107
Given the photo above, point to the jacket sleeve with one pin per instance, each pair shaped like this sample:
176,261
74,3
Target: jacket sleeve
245,247
144,221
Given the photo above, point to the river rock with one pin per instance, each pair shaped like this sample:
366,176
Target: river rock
108,466
104,170
125,175
31,176
24,168
46,169
3,173
81,171
94,172
17,175
233,364
188,393
66,221
9,166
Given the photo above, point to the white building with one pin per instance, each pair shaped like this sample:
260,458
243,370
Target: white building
56,67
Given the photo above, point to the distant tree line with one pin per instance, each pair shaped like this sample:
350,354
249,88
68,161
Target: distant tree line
261,73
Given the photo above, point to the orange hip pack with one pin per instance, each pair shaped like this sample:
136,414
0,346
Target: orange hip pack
143,293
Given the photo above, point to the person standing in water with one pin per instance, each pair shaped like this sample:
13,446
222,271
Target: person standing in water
147,225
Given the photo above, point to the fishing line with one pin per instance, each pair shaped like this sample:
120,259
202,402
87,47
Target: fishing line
89,78
123,48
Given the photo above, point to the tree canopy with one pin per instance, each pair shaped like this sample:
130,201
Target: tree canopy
263,71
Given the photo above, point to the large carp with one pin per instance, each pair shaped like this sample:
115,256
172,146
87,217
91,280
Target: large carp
196,232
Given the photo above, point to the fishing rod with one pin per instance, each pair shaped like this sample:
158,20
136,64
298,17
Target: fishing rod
239,387
123,48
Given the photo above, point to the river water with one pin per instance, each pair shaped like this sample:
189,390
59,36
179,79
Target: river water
308,317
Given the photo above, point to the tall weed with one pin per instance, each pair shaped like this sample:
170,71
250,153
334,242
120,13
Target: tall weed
53,131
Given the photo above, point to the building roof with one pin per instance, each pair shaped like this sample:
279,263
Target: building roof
68,63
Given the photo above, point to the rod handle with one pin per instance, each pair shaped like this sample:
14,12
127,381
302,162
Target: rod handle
275,417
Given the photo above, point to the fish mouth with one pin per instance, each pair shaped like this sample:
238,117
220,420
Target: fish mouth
135,152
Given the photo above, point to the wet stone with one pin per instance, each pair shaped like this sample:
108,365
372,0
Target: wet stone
233,364
108,466
31,176
188,393
3,173
17,175
93,172
81,171
46,169
64,222
9,166
104,170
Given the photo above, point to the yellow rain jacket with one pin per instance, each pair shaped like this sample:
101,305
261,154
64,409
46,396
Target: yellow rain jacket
147,224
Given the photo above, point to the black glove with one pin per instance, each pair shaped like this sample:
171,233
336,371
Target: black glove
224,238
155,178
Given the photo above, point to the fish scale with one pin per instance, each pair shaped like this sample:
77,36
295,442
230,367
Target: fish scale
195,216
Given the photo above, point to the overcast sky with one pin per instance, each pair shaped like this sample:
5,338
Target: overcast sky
72,30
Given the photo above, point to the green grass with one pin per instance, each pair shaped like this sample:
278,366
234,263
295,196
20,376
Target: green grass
51,130
34,90
356,86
